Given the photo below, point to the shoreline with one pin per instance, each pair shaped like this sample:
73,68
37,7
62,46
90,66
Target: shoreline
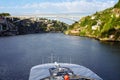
99,39
93,37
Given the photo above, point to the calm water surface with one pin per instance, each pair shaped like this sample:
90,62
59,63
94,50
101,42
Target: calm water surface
19,53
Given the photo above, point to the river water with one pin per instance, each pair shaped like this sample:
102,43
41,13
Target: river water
19,53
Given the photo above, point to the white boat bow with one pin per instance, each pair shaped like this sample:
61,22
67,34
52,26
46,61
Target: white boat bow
41,71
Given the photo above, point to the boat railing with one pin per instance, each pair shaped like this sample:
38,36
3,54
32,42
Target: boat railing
53,58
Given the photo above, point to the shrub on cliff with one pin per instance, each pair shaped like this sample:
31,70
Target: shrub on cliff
117,5
4,14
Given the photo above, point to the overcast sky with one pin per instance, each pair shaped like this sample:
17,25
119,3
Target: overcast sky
17,7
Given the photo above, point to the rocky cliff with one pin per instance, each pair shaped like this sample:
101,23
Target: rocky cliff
103,25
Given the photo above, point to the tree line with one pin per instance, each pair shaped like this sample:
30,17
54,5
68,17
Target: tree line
4,14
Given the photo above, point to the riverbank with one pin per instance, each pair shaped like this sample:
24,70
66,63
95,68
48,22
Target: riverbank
19,26
110,39
103,25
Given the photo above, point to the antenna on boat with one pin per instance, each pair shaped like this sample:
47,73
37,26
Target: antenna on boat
70,60
43,61
58,59
52,58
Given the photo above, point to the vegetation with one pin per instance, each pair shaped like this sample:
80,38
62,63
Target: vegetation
4,14
103,25
117,5
18,26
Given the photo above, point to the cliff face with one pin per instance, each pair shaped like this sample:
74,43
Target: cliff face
17,26
103,25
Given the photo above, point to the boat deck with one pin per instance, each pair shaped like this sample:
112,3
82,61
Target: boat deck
71,78
40,72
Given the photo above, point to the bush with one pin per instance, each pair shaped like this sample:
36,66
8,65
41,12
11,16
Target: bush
4,14
109,25
82,33
117,5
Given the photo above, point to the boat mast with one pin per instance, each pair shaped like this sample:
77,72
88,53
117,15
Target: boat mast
52,58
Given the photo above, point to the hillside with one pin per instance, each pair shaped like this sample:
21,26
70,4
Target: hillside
103,25
18,26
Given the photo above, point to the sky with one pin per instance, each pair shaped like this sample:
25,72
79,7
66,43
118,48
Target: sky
20,7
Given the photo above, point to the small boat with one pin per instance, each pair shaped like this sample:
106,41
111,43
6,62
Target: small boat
57,71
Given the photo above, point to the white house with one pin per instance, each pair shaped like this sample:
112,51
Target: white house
93,17
95,27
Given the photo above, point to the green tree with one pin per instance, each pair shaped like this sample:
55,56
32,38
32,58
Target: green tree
4,14
117,5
